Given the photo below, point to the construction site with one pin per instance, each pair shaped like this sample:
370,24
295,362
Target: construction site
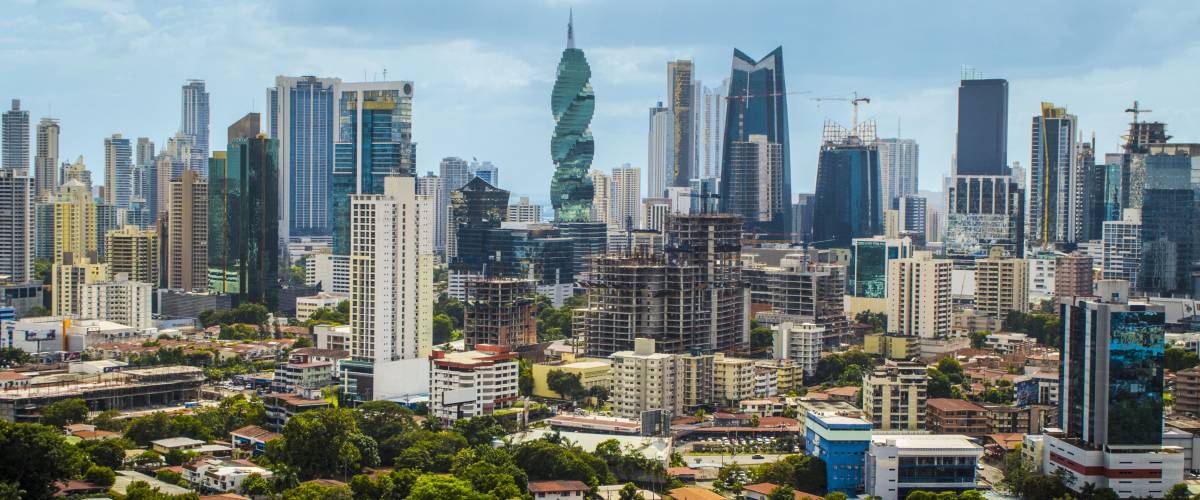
117,390
499,311
689,298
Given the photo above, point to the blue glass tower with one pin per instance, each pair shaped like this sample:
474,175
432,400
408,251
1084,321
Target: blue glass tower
841,442
848,202
301,118
571,146
374,141
756,179
243,251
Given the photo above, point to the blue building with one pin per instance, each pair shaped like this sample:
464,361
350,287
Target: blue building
981,147
300,117
841,442
848,201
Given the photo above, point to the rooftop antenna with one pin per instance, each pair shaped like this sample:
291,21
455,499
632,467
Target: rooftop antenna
571,28
385,74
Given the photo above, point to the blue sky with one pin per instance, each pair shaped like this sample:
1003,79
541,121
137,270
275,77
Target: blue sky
483,70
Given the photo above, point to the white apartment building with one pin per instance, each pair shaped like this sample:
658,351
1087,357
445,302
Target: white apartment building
800,343
16,226
221,474
1001,285
472,383
330,271
601,194
625,198
1131,471
68,281
645,380
898,464
918,298
119,300
306,306
1122,244
523,211
1041,275
894,396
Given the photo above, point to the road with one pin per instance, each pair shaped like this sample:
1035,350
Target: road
990,475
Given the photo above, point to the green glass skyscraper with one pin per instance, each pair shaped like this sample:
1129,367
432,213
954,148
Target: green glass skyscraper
571,146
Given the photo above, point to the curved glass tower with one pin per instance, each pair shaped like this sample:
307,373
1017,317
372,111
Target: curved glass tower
571,146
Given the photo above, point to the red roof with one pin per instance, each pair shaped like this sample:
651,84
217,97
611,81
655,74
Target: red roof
848,391
951,404
767,488
556,486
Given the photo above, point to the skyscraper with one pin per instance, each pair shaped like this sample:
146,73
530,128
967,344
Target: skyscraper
45,161
194,122
486,171
187,232
118,171
243,250
982,141
601,196
758,107
373,141
74,221
1169,223
390,245
1055,180
301,118
681,97
984,212
918,294
898,170
571,147
454,174
144,154
134,252
711,124
14,133
848,205
661,154
16,226
625,198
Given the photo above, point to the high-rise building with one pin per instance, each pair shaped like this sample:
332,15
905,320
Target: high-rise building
1073,276
681,97
1122,247
373,140
867,274
301,118
661,155
571,147
118,171
45,160
913,215
523,212
625,198
391,284
1111,402
187,232
500,311
711,126
120,300
455,174
898,170
68,277
758,107
487,376
848,202
1170,227
193,123
1055,180
133,252
74,222
982,141
144,152
475,209
801,292
644,380
894,396
601,196
918,300
78,172
984,212
486,171
243,247
14,133
1001,285
16,227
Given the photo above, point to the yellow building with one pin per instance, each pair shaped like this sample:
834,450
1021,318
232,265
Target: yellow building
592,372
133,251
789,374
74,221
891,346
68,281
733,379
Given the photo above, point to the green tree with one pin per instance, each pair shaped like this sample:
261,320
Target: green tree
321,443
939,384
101,475
170,476
566,385
11,356
837,495
1176,359
141,490
979,339
105,452
761,338
479,430
35,455
443,326
631,492
255,485
802,472
37,311
317,491
64,412
440,486
1178,492
783,492
525,377
878,321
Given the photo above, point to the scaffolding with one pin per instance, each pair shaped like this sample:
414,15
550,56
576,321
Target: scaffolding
499,311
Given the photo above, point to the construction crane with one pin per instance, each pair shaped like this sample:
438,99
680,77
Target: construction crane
746,97
1136,110
854,100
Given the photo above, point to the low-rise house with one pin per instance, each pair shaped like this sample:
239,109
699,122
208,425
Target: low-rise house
164,446
762,491
220,475
956,416
558,490
252,439
282,406
12,380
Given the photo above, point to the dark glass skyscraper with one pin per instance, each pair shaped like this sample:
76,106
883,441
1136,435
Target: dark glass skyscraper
243,199
571,146
848,204
756,179
1168,222
982,143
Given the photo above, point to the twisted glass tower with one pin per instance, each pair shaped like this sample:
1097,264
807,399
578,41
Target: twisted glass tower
571,146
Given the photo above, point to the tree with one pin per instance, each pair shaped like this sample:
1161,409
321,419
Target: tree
1176,359
1042,487
630,492
837,495
525,377
443,326
566,385
439,486
802,472
761,338
878,321
101,475
11,356
65,412
255,485
37,311
1178,492
105,452
141,490
939,384
35,456
783,492
979,339
321,443
317,491
479,430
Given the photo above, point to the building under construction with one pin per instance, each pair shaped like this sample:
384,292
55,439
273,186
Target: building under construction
688,298
499,311
121,390
801,291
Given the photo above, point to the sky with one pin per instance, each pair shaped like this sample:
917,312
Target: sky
483,70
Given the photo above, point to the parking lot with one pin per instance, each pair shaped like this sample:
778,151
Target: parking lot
740,446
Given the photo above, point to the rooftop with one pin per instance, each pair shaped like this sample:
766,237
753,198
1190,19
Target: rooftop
536,487
950,404
177,442
927,441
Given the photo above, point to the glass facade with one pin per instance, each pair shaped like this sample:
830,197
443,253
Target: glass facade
1168,225
868,264
302,119
1135,379
571,147
848,204
982,140
373,141
243,198
758,107
934,470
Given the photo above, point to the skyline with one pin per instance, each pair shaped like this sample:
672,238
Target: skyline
484,94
